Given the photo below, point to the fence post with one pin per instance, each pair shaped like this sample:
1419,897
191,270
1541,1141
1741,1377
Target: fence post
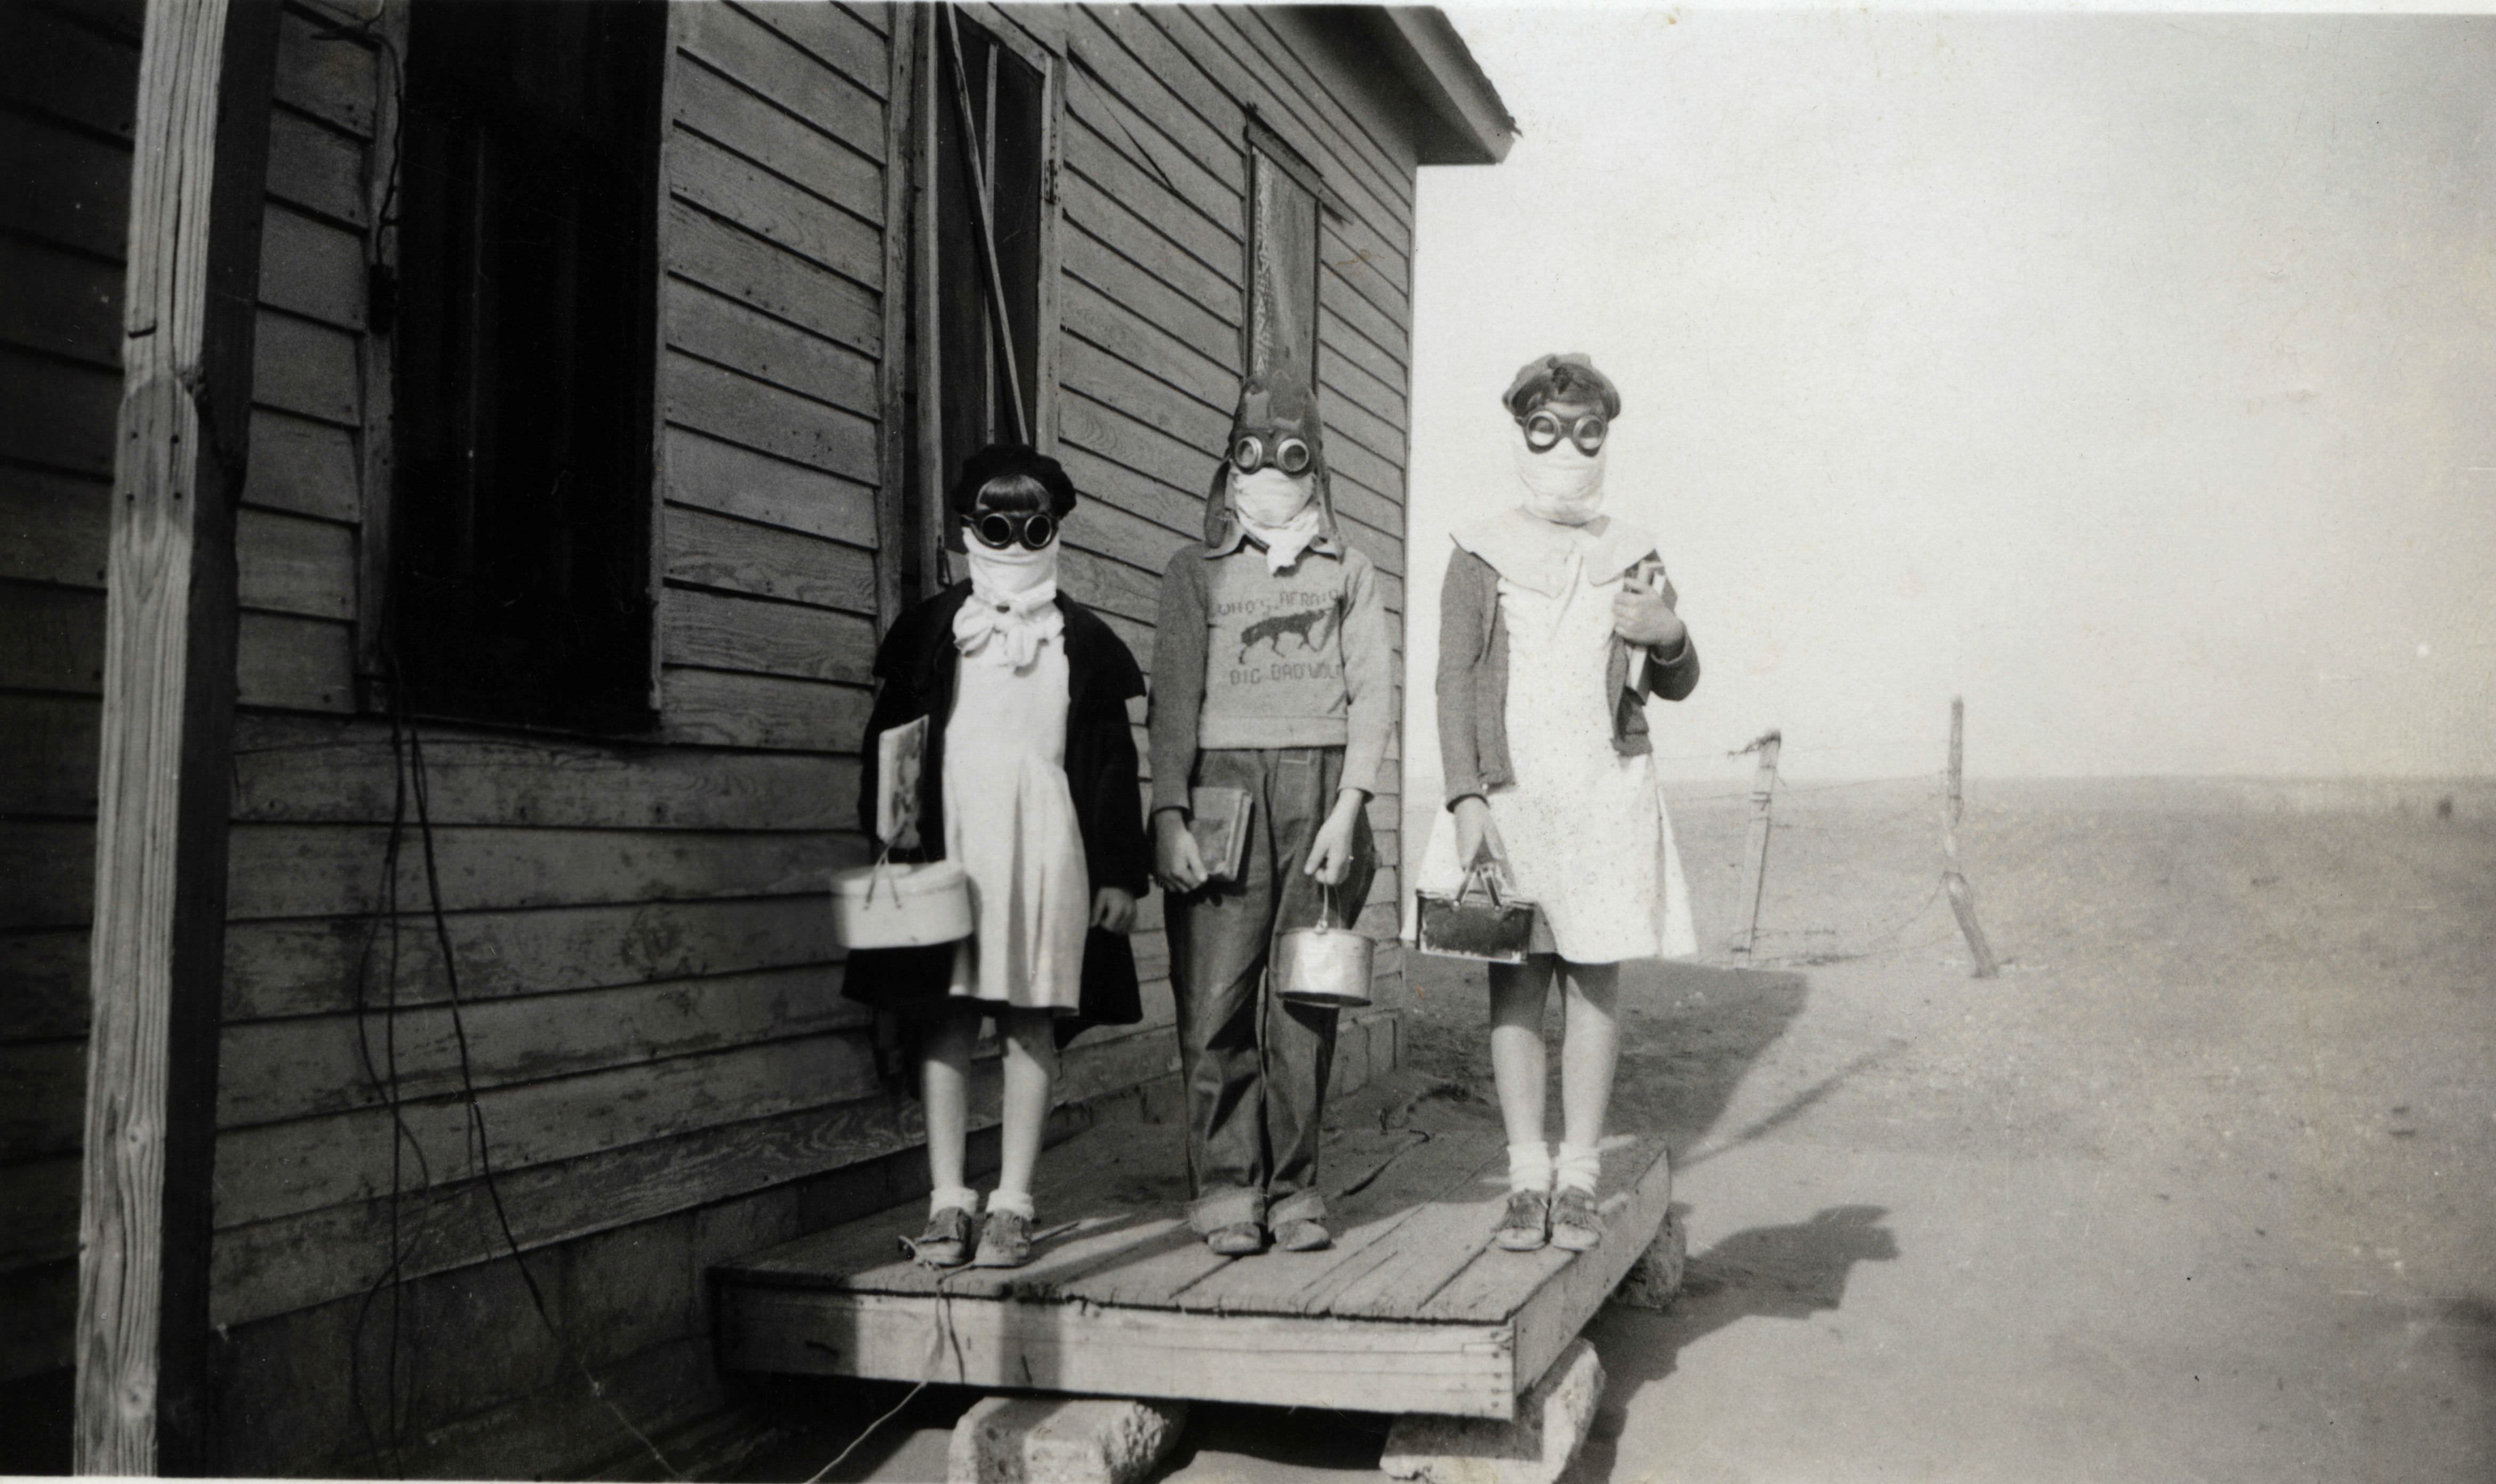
1754,868
1962,896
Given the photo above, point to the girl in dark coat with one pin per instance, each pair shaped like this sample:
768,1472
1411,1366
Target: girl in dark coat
1029,782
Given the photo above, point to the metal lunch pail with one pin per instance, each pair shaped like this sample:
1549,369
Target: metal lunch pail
1326,964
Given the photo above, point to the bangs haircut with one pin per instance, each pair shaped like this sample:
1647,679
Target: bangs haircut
1011,492
1012,476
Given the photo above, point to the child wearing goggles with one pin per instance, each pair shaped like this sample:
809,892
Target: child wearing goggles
1273,677
1028,780
1555,624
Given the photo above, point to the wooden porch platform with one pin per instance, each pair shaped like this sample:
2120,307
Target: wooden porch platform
1412,1311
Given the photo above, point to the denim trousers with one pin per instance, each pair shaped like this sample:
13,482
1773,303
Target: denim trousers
1256,1064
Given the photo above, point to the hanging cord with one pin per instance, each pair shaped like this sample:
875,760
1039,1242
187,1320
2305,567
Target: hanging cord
407,758
384,1082
398,1392
945,1335
468,1080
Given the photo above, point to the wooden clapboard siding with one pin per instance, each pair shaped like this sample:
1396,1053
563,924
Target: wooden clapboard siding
316,169
301,1066
61,301
709,473
284,1170
334,870
271,1267
742,556
303,466
309,771
648,983
68,91
308,965
645,971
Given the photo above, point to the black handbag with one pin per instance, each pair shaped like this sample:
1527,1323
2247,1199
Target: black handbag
1461,924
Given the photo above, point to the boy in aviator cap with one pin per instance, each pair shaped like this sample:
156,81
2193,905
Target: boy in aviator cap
1273,675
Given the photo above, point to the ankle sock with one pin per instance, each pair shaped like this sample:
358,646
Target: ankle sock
1017,1201
1529,1168
1578,1167
958,1197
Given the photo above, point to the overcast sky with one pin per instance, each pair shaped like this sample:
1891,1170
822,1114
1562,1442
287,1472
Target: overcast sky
2135,376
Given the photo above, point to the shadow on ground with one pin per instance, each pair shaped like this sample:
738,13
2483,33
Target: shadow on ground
1689,1034
1788,1272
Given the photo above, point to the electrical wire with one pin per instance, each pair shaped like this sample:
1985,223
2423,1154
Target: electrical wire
468,1081
842,1457
945,1333
407,760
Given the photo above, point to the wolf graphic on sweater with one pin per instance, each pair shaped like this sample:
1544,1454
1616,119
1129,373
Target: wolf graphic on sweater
1310,626
1298,658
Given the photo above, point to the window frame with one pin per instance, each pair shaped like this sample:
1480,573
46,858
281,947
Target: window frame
1261,145
920,535
379,354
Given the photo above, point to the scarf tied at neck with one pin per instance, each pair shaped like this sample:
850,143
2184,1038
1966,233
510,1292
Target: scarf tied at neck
1013,606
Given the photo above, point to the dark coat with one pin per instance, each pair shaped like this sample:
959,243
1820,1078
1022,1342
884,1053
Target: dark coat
916,668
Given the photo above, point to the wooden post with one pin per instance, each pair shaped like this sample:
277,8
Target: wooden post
1962,896
201,150
1754,868
901,168
928,529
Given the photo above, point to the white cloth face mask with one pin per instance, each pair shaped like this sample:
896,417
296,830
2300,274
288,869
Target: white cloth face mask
1280,509
1269,496
1012,607
1012,571
1563,483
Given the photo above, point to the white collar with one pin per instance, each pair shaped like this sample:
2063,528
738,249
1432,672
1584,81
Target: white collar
1535,553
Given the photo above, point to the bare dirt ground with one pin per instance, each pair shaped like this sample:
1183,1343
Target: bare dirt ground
2202,1189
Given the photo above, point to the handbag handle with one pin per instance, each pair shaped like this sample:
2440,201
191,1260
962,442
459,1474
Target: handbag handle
884,872
1484,870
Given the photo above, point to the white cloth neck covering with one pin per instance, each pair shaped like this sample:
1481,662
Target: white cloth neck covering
1562,483
1279,509
1013,606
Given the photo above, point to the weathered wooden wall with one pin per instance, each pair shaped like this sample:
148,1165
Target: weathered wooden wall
651,1007
1154,192
68,71
654,1033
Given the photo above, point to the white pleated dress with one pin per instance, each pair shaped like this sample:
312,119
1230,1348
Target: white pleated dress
1586,834
1009,819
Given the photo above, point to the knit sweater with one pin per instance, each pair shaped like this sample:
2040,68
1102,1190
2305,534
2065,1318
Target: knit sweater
1247,658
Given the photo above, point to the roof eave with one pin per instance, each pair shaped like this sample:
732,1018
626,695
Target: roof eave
1466,122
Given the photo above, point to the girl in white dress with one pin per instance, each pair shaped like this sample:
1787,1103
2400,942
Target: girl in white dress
1028,780
1556,623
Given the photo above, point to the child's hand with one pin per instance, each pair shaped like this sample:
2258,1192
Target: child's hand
1330,854
1477,832
1642,615
1175,858
1113,910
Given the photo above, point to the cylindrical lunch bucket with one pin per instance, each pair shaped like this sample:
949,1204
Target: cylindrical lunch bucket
1324,965
888,905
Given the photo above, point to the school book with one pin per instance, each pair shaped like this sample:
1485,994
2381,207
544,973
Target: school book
1220,824
898,759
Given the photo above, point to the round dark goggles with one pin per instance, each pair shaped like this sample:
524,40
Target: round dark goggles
1543,431
1290,455
997,530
